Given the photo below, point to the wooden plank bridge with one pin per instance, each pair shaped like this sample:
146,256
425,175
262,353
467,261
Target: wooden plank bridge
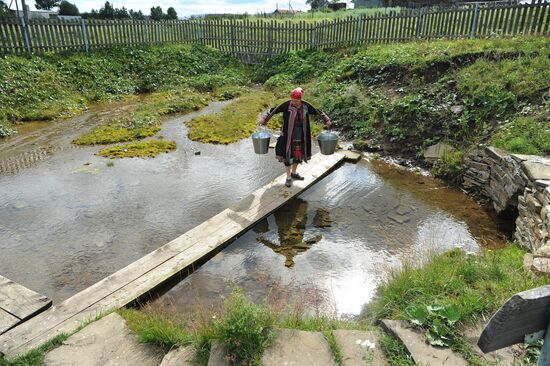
139,278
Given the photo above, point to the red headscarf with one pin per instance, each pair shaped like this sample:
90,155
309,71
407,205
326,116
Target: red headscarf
297,93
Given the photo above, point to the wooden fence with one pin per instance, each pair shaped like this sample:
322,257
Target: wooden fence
254,40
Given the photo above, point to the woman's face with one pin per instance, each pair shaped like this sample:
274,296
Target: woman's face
295,102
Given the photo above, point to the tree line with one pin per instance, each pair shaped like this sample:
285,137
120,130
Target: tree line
107,11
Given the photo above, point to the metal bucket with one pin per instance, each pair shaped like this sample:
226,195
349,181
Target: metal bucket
327,142
261,142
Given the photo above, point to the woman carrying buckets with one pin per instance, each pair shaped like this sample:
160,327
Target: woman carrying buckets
294,145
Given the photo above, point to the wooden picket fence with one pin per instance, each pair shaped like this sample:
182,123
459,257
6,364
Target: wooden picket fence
254,40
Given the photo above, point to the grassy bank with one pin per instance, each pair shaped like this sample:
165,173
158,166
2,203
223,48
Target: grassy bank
448,293
48,87
405,97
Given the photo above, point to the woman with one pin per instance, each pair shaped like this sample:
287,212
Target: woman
294,144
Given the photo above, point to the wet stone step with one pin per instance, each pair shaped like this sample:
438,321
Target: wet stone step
416,345
181,356
107,341
290,347
360,348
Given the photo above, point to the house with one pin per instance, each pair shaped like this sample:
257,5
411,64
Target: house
367,3
337,6
35,14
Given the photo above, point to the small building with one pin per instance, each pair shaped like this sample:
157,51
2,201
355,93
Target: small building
69,17
367,3
337,6
286,11
35,14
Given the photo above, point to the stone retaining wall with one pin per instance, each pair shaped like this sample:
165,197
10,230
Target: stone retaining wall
514,182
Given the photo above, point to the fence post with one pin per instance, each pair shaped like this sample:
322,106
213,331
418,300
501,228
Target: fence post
269,38
474,21
314,37
419,23
26,36
85,34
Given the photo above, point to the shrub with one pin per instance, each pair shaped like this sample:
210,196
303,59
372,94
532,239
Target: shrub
246,329
450,167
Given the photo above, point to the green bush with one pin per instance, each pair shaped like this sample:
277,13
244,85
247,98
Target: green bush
246,329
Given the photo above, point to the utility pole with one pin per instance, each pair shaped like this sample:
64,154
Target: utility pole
25,11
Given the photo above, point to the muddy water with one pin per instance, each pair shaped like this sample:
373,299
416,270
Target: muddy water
68,220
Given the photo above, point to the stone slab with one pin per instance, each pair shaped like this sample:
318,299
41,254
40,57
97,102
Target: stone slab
437,151
106,342
217,356
415,343
503,357
541,265
351,156
537,170
360,348
181,356
298,348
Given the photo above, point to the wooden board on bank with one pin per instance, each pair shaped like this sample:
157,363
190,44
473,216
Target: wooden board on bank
18,303
147,273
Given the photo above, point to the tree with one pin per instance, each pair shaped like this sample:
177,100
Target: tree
107,11
317,4
3,8
137,15
66,8
46,4
171,14
122,13
157,13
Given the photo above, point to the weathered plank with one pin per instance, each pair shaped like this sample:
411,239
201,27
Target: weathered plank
7,321
19,300
145,274
524,313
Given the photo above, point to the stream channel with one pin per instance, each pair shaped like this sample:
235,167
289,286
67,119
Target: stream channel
67,219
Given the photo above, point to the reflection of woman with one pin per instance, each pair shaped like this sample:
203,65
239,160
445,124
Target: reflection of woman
291,225
294,145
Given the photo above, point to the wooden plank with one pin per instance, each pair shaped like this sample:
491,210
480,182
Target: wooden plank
142,276
19,300
524,313
7,321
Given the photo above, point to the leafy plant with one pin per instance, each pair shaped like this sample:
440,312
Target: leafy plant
246,329
438,321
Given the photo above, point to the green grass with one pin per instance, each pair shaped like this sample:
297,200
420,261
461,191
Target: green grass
234,122
36,356
142,149
475,285
525,135
143,120
395,352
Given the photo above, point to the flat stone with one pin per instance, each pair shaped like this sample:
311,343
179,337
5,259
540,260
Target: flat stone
528,261
537,170
541,265
503,357
181,356
543,251
351,156
415,343
542,183
495,153
398,218
360,348
217,356
402,210
437,151
298,348
107,342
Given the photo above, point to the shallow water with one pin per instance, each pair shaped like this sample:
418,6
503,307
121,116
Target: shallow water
330,248
68,220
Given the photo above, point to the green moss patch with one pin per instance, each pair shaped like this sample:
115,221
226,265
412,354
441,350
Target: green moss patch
142,149
234,122
143,120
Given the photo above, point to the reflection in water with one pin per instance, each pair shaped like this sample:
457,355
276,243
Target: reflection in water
291,222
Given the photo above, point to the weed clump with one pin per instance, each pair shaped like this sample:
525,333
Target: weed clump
142,149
